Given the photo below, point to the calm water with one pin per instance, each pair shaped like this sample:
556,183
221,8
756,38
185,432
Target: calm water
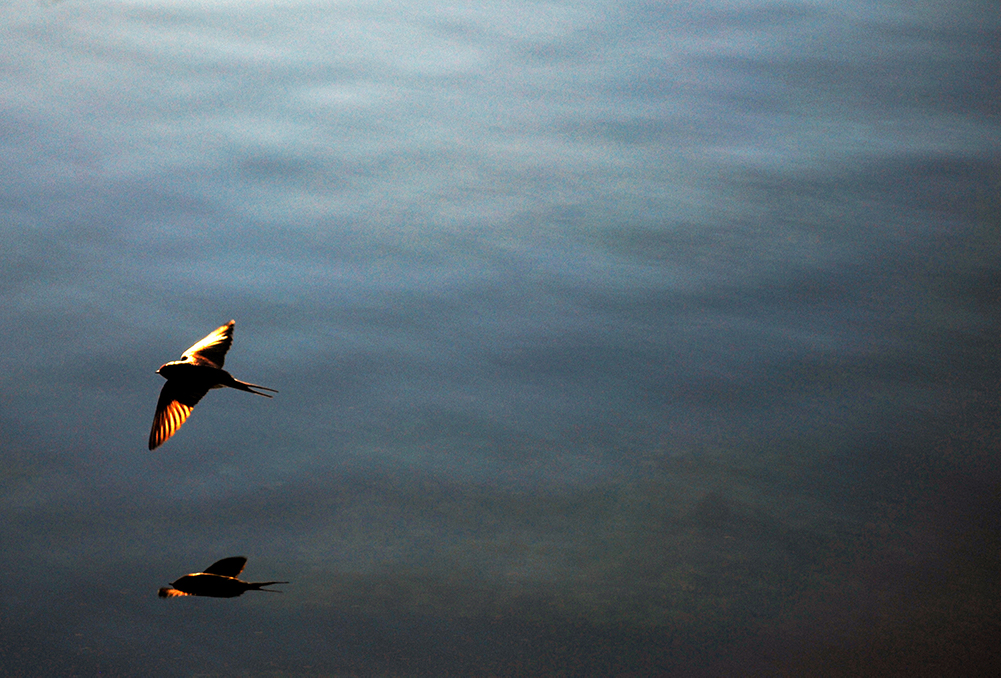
611,338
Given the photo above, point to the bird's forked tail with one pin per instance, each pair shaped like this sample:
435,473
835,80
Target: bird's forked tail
247,386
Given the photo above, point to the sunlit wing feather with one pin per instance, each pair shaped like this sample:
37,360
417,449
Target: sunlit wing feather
172,410
166,592
166,422
227,567
212,349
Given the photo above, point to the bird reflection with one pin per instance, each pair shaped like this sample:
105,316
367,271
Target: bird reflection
190,378
219,580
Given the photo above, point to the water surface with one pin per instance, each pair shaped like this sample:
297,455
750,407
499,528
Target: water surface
611,338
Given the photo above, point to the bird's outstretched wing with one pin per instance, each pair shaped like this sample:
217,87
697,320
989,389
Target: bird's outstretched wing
172,410
212,349
167,592
227,567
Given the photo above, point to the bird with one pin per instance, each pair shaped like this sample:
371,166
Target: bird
190,378
219,580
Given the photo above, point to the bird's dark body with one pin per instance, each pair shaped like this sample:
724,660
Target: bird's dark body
196,375
216,586
196,379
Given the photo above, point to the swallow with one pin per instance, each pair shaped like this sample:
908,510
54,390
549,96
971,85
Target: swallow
219,580
190,378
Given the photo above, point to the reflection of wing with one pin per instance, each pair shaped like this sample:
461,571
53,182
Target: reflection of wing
227,567
165,592
212,349
172,410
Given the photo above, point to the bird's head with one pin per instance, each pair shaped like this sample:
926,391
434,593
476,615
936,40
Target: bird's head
166,370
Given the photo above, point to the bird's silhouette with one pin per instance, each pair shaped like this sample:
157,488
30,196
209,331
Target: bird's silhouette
190,378
219,580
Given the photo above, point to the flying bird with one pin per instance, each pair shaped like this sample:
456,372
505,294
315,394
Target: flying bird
190,378
219,580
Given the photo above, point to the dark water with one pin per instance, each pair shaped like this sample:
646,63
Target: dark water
611,338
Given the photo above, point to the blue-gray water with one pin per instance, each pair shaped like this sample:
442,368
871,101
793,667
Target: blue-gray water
631,338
